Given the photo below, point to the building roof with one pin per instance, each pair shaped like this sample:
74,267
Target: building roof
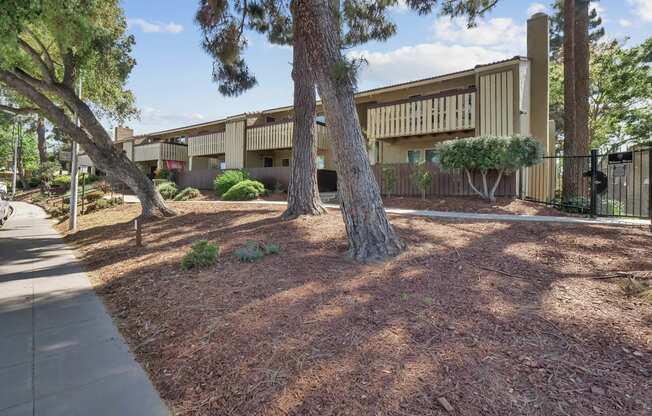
408,84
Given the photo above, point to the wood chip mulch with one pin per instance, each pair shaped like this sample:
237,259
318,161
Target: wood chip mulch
475,318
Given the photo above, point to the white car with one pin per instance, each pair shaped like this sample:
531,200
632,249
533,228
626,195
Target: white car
3,188
5,210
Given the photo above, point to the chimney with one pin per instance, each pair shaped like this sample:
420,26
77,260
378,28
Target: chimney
122,133
538,50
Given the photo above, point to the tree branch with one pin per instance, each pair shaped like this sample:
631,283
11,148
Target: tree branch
18,111
36,58
48,58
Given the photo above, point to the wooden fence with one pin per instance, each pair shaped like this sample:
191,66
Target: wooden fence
443,183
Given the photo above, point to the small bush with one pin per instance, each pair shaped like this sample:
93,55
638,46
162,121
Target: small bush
168,190
388,181
250,252
187,194
162,174
34,182
244,191
92,197
61,181
102,203
88,179
158,182
271,248
227,180
202,254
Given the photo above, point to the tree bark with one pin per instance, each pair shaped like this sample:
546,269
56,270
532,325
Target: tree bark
20,166
572,174
303,192
93,139
40,136
371,237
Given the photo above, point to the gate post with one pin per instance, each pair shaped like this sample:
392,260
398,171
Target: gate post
594,177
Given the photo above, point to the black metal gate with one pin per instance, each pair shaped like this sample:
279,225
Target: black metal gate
608,185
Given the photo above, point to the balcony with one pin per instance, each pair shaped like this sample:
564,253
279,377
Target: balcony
208,144
160,151
65,155
279,136
439,113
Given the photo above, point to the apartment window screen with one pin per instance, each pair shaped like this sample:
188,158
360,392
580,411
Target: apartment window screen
414,156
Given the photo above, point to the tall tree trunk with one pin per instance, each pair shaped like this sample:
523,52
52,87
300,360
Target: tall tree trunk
93,139
20,166
303,192
370,235
582,106
572,174
40,136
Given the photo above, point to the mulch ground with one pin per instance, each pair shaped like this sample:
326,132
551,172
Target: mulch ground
482,318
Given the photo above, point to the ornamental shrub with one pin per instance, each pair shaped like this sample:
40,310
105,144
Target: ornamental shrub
162,174
389,181
244,191
61,181
187,194
422,177
168,190
489,153
227,180
201,254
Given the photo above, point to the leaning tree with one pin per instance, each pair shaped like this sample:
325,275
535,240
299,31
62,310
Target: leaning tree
46,47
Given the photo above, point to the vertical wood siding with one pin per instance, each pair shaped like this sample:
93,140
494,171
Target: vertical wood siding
208,144
435,114
160,151
279,136
234,144
497,104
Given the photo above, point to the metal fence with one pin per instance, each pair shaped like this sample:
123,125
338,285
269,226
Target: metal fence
610,185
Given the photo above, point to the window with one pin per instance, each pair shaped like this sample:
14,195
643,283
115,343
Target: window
268,162
414,156
269,119
285,162
432,156
321,162
376,154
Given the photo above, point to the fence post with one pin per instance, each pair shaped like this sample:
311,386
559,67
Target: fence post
139,233
594,177
83,192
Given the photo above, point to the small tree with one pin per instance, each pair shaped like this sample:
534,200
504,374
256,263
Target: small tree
423,178
388,180
483,154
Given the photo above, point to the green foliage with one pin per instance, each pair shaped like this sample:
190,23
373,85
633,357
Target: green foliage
596,30
201,254
253,251
34,181
61,181
489,153
47,171
93,196
582,205
102,203
187,194
162,174
168,190
158,182
244,191
389,180
226,180
422,177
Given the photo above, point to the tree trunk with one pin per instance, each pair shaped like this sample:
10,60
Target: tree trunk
572,174
582,106
370,235
303,192
20,167
40,136
93,139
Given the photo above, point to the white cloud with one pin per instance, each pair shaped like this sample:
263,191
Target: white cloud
624,22
536,8
642,8
155,27
159,119
454,47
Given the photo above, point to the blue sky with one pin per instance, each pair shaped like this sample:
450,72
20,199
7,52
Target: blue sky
172,79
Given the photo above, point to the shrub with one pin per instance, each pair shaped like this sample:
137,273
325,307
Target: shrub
61,181
244,191
582,205
423,178
187,194
103,203
271,248
227,180
162,174
168,190
250,252
34,182
158,182
92,197
388,180
485,153
202,254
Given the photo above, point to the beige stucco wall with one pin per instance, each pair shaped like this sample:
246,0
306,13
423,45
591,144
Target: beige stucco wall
396,151
255,159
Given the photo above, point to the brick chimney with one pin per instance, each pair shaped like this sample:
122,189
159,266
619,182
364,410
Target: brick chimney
122,133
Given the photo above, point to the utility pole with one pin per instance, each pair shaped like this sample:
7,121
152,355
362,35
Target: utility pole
74,167
13,178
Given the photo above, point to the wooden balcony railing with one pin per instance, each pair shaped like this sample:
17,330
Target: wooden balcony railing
438,113
279,136
208,144
160,151
65,155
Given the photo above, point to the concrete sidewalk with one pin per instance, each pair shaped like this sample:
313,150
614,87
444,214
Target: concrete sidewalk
60,353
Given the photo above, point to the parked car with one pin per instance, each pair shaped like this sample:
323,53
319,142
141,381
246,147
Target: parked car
3,188
5,209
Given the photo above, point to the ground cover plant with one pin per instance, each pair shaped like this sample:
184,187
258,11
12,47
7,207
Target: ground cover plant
495,318
201,254
168,190
187,194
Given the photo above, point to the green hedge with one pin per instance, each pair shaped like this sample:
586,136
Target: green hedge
168,190
244,191
227,180
187,194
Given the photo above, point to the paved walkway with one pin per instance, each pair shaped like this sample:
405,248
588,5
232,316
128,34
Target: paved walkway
60,353
469,216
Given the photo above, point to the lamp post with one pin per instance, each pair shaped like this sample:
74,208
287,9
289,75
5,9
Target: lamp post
74,167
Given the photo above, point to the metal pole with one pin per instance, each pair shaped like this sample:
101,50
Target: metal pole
594,180
13,178
72,225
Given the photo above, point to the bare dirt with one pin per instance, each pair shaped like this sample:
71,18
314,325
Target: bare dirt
480,318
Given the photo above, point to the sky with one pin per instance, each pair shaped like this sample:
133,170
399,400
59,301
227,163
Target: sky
172,78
